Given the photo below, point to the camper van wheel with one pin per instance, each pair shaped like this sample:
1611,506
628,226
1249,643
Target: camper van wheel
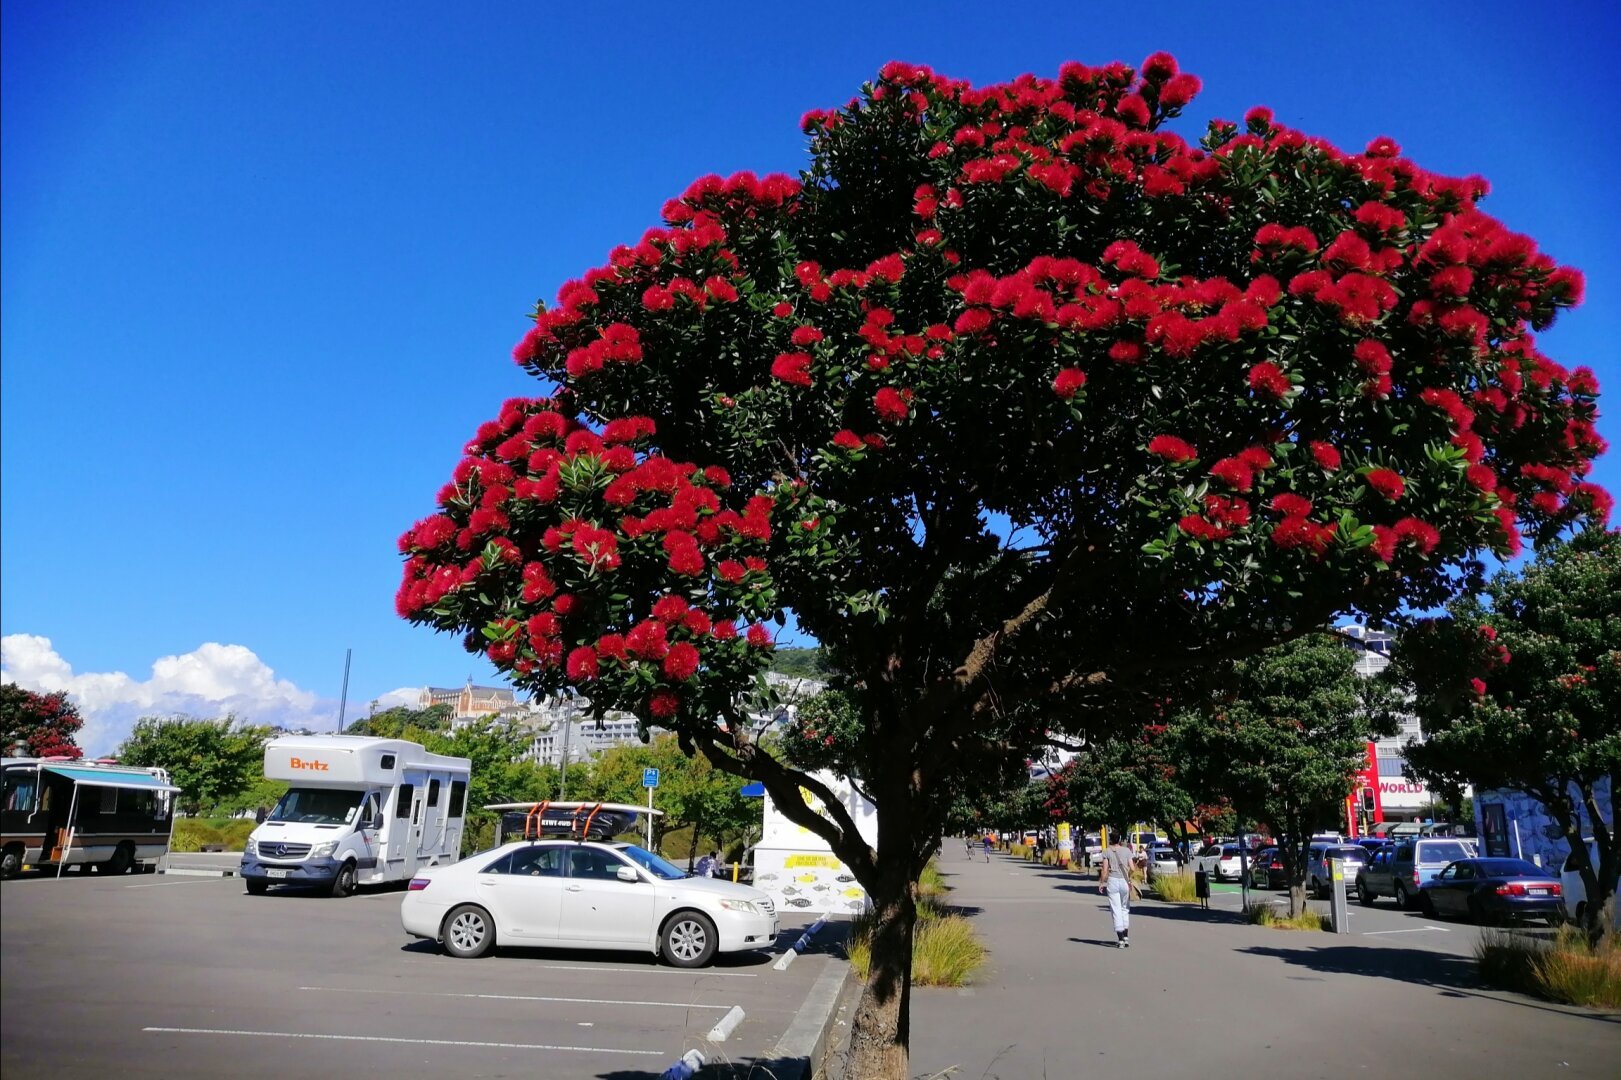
11,862
256,886
468,932
121,861
344,883
688,940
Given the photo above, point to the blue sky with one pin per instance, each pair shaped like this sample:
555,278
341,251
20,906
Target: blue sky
262,265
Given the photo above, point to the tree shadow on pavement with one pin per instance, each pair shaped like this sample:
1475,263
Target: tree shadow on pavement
1186,913
1448,973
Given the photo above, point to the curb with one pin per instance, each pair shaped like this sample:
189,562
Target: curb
178,871
798,1054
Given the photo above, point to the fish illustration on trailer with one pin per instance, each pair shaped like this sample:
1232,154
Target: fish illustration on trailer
800,901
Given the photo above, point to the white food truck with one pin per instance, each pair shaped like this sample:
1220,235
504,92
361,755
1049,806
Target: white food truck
360,811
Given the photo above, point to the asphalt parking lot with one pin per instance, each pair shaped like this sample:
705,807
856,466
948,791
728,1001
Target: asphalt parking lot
160,975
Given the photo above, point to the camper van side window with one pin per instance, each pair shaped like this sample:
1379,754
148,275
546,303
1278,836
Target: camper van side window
109,800
433,793
386,762
20,789
402,807
458,798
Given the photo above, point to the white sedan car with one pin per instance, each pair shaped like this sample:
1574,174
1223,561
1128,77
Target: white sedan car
584,894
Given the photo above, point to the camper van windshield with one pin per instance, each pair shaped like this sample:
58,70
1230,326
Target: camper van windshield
316,806
655,865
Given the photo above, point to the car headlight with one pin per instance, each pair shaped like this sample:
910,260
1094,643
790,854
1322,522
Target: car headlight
744,906
250,848
321,851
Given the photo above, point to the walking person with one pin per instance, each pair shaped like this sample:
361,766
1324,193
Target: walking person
1114,881
987,842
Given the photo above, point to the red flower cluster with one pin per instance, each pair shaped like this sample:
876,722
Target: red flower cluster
1267,378
1172,448
1386,482
1069,382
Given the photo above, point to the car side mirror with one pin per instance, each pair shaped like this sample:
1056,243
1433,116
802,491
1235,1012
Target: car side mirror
625,873
377,823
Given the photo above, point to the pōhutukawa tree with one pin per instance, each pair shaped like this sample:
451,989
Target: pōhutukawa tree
1023,406
1523,691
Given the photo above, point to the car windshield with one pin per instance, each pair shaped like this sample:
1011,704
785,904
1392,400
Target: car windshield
316,806
1355,854
1441,851
652,863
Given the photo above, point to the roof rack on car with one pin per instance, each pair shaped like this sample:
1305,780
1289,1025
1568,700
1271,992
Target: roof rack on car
572,820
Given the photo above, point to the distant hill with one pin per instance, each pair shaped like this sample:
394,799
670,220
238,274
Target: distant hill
799,663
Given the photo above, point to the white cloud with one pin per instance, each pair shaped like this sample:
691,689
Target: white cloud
211,680
408,696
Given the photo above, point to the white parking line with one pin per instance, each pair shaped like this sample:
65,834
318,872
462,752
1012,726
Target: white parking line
161,884
388,1039
652,971
514,997
1414,930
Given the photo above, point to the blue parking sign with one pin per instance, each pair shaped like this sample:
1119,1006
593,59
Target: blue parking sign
650,778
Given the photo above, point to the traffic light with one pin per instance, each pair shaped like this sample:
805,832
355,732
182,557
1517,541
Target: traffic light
1367,799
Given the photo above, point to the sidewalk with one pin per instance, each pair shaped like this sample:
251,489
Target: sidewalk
1201,994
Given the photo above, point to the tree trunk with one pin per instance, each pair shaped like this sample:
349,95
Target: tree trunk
881,1027
697,839
1596,880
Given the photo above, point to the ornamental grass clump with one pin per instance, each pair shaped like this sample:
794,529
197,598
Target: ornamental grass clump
1269,915
1176,888
1568,969
946,950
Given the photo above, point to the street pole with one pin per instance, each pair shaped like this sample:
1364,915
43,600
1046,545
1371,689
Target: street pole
650,821
562,771
343,699
1243,867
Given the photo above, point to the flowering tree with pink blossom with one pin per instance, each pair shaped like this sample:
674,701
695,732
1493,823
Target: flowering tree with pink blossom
1024,406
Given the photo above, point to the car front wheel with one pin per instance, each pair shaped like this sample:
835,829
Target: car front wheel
1363,896
689,940
469,932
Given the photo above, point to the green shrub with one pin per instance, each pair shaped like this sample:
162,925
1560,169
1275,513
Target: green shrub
193,834
1174,888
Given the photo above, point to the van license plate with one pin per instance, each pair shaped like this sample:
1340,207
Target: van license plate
275,873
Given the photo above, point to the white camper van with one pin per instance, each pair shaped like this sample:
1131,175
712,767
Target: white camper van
360,811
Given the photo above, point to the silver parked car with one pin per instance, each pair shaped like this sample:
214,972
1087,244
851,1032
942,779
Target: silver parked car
1320,876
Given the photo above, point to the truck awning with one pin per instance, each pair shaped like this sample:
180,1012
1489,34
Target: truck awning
115,778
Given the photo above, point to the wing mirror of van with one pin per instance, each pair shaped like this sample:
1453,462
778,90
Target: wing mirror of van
625,873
